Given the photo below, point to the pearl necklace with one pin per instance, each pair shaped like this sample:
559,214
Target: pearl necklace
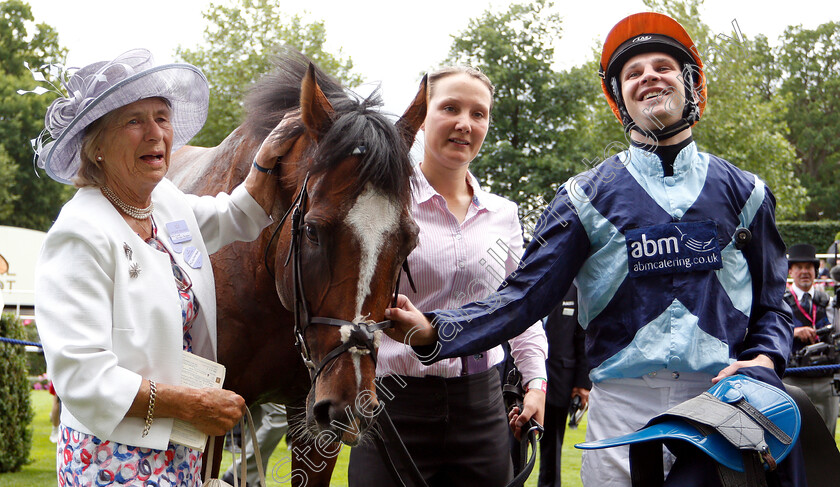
132,211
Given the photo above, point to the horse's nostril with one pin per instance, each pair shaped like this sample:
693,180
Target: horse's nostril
321,410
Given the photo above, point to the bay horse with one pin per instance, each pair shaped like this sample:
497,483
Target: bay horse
347,179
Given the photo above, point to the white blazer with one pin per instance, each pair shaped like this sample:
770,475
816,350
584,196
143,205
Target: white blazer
104,329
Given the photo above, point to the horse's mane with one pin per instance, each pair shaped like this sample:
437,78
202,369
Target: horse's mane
357,123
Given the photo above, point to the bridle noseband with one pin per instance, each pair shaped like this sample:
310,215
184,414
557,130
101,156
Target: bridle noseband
361,334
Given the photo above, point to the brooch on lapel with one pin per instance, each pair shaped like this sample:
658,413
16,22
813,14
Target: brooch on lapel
133,267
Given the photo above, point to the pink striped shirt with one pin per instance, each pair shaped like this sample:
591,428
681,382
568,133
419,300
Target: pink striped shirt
455,264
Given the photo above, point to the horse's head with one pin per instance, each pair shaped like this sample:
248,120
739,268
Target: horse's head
340,247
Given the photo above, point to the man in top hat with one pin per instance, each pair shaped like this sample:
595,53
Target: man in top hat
810,313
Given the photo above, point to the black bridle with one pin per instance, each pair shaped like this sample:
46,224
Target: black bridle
361,334
400,465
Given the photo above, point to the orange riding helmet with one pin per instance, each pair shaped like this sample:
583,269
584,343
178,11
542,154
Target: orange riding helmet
652,32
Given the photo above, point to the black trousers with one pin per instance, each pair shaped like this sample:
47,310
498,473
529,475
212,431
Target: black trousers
551,445
455,430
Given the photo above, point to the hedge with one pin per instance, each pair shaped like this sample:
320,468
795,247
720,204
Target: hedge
35,363
15,410
820,234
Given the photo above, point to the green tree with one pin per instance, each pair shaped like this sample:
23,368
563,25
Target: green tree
7,179
598,134
808,62
15,409
741,124
536,110
241,38
35,200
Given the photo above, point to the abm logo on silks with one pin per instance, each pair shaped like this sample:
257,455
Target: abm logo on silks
672,247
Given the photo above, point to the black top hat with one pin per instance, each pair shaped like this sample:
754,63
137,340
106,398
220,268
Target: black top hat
803,253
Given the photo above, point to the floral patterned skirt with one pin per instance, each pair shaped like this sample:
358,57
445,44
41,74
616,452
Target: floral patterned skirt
86,461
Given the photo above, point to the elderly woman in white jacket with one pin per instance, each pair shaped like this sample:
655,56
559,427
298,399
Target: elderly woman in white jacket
123,282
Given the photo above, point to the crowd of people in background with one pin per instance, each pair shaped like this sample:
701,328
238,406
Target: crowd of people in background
813,312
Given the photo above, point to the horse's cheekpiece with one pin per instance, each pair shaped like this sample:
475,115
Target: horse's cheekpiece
361,334
729,419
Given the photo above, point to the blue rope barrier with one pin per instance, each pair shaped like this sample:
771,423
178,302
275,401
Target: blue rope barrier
20,342
812,368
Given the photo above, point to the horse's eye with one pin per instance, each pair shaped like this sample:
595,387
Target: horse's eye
311,232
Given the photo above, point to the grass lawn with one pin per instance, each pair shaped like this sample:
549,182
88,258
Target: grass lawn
40,472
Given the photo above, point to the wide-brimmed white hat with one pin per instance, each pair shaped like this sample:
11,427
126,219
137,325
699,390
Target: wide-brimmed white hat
101,87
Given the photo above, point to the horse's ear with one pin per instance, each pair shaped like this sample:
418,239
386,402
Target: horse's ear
413,118
315,109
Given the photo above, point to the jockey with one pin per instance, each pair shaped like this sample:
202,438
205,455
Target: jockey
679,266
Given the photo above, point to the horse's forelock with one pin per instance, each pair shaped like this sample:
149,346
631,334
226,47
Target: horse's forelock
357,122
384,159
278,92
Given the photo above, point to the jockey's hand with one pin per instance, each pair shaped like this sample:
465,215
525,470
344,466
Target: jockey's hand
584,395
533,406
410,325
805,334
760,360
270,150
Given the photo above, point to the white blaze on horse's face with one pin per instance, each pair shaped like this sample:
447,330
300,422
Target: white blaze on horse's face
373,218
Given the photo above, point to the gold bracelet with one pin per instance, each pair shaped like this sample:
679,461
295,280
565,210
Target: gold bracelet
150,414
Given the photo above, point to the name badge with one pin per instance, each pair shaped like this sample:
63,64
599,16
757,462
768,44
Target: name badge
673,248
178,232
193,257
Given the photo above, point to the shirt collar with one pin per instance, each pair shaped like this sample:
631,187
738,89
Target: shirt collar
800,292
423,191
649,163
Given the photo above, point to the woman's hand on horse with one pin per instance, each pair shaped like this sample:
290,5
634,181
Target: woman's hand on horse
261,183
410,325
271,149
533,407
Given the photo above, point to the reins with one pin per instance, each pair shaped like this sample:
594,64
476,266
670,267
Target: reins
361,336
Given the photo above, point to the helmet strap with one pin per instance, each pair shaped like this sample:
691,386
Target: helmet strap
663,133
619,101
691,110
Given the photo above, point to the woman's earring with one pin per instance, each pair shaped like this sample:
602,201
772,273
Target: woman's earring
98,158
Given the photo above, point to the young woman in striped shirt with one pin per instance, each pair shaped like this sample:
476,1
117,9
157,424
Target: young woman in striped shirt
450,414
